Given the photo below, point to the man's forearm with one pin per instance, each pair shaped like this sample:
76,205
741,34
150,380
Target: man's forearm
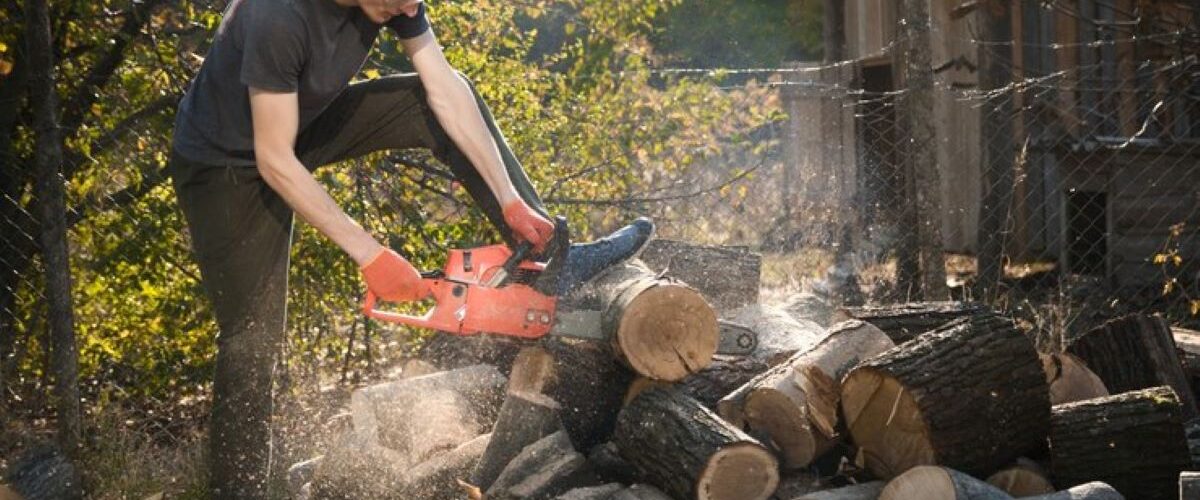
288,177
457,111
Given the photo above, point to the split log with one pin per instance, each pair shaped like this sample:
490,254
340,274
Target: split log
437,478
796,406
524,419
1070,379
903,322
728,276
863,491
722,376
1095,490
779,334
931,482
971,395
1136,352
1023,479
602,492
357,466
423,415
583,378
1133,441
661,328
608,464
542,470
300,474
1189,485
678,445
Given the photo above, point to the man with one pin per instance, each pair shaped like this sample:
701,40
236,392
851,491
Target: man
271,103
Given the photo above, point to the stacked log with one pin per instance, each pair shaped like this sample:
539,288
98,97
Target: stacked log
780,335
929,482
1136,352
722,376
727,276
673,442
1133,441
524,419
544,469
1070,379
971,395
903,322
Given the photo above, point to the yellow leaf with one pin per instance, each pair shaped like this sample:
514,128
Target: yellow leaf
371,73
3,47
1168,287
1160,258
5,67
1195,307
97,110
1177,260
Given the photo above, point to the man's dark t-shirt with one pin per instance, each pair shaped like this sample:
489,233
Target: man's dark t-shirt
312,47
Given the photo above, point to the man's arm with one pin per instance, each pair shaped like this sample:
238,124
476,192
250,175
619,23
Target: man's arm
276,118
456,110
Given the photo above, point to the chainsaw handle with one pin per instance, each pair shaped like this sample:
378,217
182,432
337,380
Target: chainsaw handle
423,321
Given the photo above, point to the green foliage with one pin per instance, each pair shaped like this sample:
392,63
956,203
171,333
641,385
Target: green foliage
740,33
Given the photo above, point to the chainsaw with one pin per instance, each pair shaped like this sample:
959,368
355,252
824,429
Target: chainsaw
499,290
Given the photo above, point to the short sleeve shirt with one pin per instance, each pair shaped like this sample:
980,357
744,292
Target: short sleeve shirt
311,47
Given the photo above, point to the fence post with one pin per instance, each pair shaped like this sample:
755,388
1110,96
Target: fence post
52,211
918,136
996,132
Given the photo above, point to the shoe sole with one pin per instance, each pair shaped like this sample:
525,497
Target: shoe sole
636,253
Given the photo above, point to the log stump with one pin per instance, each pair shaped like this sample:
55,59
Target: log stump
971,395
1136,352
903,322
676,444
661,328
1133,441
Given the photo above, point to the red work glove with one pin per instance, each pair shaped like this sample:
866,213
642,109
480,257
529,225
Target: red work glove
393,279
528,225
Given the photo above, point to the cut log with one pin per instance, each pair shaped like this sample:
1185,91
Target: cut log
641,492
722,376
863,491
903,322
971,395
641,384
676,444
608,464
796,483
423,415
779,334
929,482
732,407
1023,479
728,276
661,328
1136,352
356,466
437,478
1133,441
1095,490
587,383
451,352
300,474
796,405
524,419
1070,379
602,492
1188,343
1189,485
542,470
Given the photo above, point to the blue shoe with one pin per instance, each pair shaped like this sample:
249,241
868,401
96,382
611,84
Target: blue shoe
586,261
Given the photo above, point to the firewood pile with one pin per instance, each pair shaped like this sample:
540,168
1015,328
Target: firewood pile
913,401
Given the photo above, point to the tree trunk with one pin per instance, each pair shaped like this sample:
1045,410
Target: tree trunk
971,395
678,445
999,149
1136,352
1023,479
929,481
797,405
661,328
52,215
421,416
779,334
524,419
1070,379
1134,441
918,134
903,322
727,276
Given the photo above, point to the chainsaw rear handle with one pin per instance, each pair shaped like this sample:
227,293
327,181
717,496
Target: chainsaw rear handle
427,320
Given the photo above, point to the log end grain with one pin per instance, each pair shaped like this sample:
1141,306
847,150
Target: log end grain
885,422
667,332
776,415
929,482
743,470
1070,379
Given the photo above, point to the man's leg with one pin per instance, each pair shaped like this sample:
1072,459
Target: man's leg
393,113
241,231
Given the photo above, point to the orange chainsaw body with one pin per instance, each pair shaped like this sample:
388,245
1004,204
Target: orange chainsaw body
465,304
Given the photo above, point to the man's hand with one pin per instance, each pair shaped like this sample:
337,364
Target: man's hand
528,225
393,278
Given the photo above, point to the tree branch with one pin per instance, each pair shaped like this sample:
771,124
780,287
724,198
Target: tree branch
75,160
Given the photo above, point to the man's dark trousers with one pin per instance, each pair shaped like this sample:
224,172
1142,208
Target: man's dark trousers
241,232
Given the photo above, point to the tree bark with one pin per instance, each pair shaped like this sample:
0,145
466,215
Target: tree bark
971,395
524,419
52,215
587,383
542,470
722,376
903,322
1136,352
999,146
929,481
678,445
727,276
1133,441
919,136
